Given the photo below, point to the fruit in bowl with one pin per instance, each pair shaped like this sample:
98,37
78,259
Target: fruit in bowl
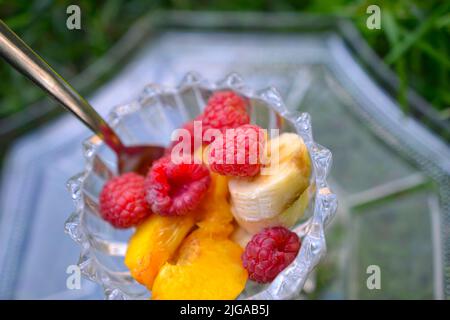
182,247
229,204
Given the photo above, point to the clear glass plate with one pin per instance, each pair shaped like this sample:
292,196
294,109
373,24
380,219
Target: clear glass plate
151,119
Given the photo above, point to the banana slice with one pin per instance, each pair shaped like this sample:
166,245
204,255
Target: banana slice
260,201
288,218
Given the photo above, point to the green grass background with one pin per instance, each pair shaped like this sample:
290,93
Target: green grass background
413,40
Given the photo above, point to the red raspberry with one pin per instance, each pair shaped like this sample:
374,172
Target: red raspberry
175,189
225,110
269,252
240,157
122,201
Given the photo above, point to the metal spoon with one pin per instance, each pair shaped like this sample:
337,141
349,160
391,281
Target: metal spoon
30,64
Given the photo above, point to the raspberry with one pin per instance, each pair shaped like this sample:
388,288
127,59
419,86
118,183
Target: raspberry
225,110
175,189
269,252
240,157
122,201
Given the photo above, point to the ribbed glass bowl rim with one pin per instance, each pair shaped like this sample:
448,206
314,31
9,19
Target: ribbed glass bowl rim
289,283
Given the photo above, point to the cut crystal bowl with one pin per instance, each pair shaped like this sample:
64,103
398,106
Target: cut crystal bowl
151,119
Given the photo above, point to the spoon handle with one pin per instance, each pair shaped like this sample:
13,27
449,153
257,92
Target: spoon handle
30,64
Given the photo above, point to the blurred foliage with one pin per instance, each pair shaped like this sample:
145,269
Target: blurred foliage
413,40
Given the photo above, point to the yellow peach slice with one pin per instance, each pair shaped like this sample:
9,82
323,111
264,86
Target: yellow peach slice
154,243
214,213
206,268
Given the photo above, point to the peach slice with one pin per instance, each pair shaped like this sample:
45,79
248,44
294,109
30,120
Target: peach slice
154,243
214,213
207,267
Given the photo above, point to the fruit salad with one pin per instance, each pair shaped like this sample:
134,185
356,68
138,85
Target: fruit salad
216,210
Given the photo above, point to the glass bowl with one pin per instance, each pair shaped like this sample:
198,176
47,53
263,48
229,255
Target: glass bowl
151,119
